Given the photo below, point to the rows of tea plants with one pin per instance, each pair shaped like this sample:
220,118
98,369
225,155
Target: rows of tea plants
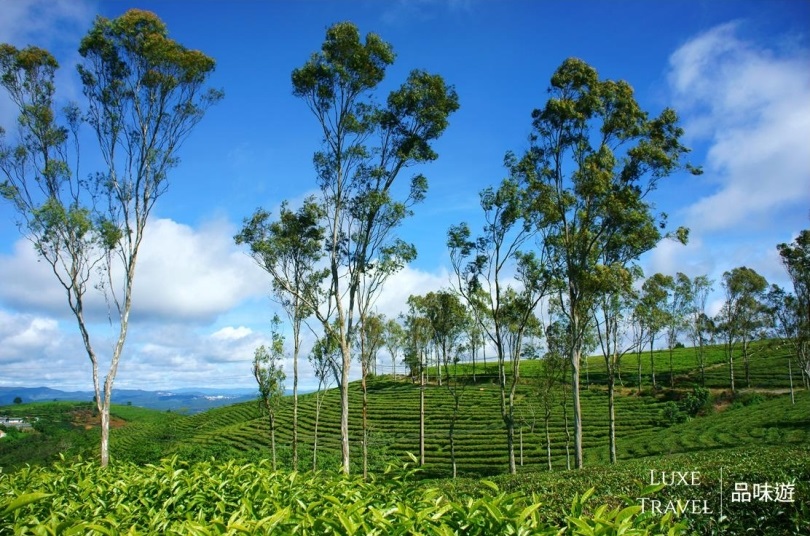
175,497
394,427
717,472
756,420
240,430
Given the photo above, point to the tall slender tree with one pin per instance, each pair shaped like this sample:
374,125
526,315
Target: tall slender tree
289,249
365,147
594,159
611,321
394,342
371,337
323,358
483,265
446,320
796,260
699,323
742,315
268,370
144,94
653,311
418,336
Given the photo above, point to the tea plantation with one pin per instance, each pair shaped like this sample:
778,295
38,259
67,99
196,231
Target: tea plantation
208,474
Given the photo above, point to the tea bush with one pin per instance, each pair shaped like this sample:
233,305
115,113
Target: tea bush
175,497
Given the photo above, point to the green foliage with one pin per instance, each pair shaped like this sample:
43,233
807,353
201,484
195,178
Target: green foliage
672,414
619,485
175,497
695,402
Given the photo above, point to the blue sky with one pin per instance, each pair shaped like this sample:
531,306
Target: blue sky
737,73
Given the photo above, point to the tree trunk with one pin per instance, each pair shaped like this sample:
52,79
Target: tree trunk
344,407
295,404
612,415
104,410
652,365
438,368
421,417
790,374
364,372
575,355
548,439
273,439
638,356
671,371
318,402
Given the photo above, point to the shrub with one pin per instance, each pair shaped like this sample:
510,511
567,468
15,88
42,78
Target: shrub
695,402
672,414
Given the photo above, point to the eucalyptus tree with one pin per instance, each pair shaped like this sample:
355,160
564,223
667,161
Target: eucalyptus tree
418,336
796,260
639,335
365,147
612,318
545,384
678,308
371,337
699,323
323,358
394,342
446,320
268,370
595,157
558,345
783,323
653,311
290,249
483,266
741,314
144,93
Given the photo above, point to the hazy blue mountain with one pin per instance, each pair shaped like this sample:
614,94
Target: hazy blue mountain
185,400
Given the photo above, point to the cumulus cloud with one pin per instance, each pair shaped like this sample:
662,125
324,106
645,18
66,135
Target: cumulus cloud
752,104
182,273
35,351
193,274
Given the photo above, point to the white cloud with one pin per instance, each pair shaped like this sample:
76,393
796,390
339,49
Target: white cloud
399,287
193,274
183,274
35,351
229,333
753,105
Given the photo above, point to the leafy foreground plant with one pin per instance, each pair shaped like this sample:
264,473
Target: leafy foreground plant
175,497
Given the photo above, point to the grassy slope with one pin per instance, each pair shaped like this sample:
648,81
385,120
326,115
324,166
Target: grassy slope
480,437
240,430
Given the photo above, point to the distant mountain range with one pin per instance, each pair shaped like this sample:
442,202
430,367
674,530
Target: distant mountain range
186,400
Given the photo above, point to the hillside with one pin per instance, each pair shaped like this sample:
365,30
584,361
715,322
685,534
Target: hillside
756,436
760,415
